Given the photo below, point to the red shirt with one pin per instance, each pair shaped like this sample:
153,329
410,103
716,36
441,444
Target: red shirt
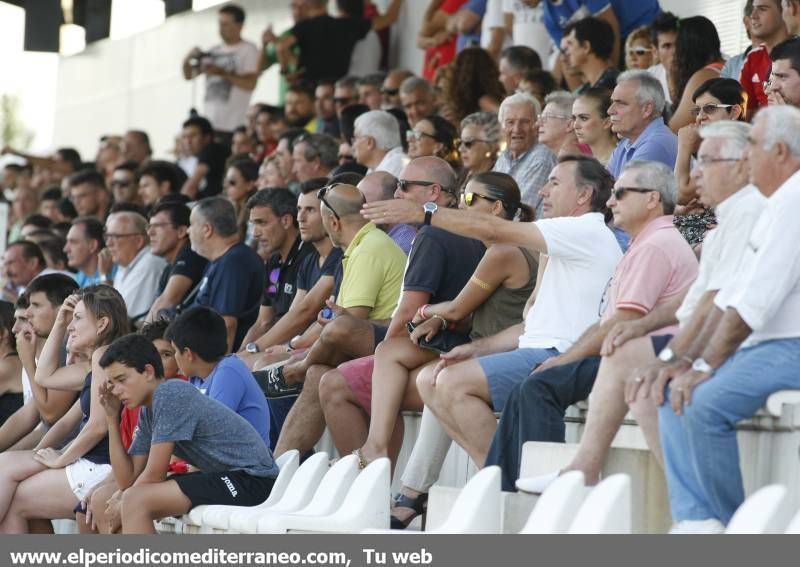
755,71
443,54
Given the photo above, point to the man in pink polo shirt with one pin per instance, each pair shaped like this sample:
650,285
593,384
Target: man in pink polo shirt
658,266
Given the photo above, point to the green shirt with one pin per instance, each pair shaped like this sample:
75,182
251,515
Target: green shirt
373,267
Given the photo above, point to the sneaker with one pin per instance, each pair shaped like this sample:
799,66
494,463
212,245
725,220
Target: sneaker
276,387
537,484
709,526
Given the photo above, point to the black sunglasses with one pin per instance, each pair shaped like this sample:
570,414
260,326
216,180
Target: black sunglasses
390,92
619,192
469,143
405,184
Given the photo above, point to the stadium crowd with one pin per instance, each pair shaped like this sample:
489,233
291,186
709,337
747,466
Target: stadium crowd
572,200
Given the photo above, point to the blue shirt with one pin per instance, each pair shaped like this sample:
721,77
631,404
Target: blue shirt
232,384
85,280
233,286
630,13
656,143
465,39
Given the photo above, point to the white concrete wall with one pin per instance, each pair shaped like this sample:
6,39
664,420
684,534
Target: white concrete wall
136,82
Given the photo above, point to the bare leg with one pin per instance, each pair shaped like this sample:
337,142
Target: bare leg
392,390
45,495
143,504
104,523
15,466
607,407
305,424
344,338
646,414
346,419
259,361
463,403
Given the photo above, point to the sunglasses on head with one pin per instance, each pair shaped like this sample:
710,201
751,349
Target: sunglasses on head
619,192
327,190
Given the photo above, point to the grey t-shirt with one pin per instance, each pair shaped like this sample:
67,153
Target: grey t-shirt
206,433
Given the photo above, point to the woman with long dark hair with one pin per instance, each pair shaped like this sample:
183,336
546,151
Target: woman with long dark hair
475,84
697,59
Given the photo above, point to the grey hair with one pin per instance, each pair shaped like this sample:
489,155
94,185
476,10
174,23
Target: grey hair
486,121
320,146
348,81
650,89
781,124
381,126
220,214
515,99
561,99
414,83
734,136
137,222
373,79
657,176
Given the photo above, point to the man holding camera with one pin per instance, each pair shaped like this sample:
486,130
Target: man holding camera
231,70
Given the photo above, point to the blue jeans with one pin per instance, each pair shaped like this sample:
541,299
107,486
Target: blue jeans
700,449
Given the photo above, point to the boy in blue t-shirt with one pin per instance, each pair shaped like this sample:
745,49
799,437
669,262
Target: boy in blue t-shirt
175,418
200,340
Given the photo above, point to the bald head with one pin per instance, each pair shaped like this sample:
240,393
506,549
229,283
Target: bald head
378,186
431,168
346,200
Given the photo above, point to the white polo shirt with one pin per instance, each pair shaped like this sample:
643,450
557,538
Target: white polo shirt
582,254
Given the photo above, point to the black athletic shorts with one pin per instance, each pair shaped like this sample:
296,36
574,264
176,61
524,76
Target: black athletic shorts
232,488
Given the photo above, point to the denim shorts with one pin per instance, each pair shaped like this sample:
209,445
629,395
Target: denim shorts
505,370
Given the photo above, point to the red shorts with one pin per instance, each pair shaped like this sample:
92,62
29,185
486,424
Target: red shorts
358,375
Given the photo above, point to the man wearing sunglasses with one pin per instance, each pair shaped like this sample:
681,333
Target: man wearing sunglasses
390,90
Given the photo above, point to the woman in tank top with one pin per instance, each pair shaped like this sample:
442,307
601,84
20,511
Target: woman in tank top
48,482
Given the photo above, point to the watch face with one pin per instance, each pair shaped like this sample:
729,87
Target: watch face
430,207
666,355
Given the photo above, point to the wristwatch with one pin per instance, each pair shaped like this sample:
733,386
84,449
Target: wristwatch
700,365
430,208
667,355
252,348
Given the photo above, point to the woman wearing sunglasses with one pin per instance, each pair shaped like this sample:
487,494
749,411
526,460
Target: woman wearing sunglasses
639,49
479,145
716,99
493,300
433,136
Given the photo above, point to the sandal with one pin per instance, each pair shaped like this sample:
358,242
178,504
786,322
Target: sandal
362,461
418,505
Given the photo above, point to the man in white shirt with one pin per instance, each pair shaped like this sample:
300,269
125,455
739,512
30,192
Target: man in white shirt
377,144
753,351
231,70
139,270
722,178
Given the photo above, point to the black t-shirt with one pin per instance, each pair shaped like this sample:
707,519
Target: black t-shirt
441,263
187,263
326,44
214,156
310,271
281,283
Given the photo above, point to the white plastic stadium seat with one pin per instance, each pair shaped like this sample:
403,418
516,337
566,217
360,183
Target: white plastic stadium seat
365,506
217,517
297,495
555,510
766,511
328,498
607,508
794,525
478,509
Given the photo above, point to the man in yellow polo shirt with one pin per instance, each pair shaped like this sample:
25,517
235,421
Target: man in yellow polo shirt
371,281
